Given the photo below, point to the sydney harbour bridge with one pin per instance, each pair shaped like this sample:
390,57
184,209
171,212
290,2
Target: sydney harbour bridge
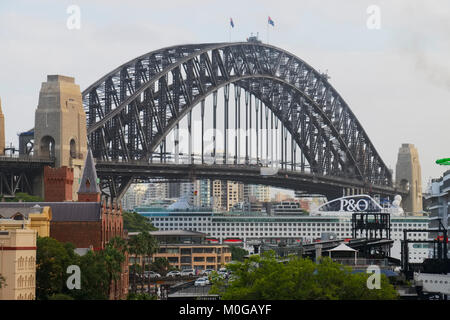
257,114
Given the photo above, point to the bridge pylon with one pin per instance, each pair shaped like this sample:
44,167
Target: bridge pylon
408,176
60,128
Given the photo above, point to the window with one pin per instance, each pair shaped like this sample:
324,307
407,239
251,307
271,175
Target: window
73,149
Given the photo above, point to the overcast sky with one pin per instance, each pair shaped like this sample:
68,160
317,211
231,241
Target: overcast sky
396,79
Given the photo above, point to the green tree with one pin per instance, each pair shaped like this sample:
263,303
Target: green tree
141,296
52,260
134,222
150,247
142,245
135,249
265,278
60,296
114,256
24,197
161,265
95,280
237,253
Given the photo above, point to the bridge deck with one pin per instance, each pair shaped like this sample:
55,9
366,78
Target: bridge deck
251,174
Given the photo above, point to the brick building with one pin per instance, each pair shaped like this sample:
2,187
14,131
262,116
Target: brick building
58,184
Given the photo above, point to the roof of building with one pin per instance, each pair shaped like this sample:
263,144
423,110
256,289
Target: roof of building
343,247
9,210
61,211
89,181
173,233
177,233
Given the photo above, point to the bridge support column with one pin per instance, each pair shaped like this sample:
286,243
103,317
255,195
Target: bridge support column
246,128
226,94
214,124
177,143
257,133
191,157
38,185
203,129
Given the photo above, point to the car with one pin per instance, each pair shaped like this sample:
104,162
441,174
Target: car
207,272
152,274
201,282
173,274
188,272
223,272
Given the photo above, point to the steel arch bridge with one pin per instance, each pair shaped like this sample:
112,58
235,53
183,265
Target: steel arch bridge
131,110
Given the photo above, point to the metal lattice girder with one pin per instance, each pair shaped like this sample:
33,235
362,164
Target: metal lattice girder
131,110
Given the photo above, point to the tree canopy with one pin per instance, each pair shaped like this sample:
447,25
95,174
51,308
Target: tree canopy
237,253
24,197
265,278
52,260
98,269
134,222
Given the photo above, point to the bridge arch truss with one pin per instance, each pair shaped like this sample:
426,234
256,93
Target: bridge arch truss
131,110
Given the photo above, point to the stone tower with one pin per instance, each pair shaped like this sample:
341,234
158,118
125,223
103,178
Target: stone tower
2,130
408,174
60,126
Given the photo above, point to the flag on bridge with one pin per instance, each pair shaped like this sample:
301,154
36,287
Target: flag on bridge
270,21
231,22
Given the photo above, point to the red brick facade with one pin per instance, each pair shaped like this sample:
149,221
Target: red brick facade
86,234
58,184
88,197
83,234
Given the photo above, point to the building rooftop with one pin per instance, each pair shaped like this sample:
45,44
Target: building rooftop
60,78
61,211
175,233
89,181
10,210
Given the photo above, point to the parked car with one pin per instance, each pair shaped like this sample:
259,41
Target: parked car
151,274
223,272
201,282
173,274
188,272
207,272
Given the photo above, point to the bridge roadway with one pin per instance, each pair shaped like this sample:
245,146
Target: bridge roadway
330,186
24,162
18,173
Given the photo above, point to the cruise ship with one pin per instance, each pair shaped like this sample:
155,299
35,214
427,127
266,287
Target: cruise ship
330,221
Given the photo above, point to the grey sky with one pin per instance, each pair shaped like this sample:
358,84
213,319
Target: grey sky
396,79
